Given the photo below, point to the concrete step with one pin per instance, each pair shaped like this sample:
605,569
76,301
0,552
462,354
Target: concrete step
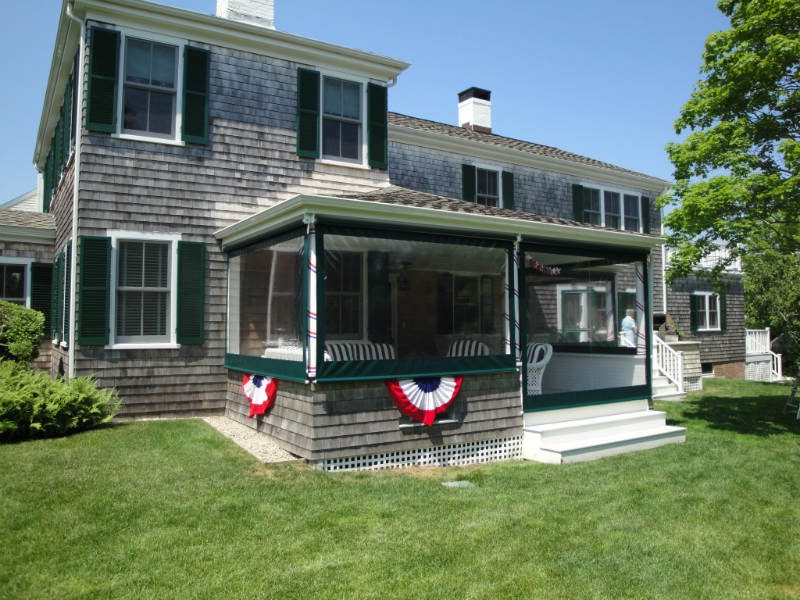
581,429
599,447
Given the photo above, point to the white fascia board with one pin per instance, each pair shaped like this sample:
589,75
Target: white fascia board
66,44
31,235
243,36
491,152
292,211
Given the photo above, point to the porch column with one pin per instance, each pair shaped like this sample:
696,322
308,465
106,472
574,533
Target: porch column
311,296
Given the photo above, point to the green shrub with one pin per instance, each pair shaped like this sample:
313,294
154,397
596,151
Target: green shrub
21,331
32,405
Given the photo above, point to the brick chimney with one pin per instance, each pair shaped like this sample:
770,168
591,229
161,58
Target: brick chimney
475,109
254,12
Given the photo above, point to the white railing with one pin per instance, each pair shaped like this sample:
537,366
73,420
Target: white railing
757,341
669,362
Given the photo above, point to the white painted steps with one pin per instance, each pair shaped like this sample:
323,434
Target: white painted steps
664,389
586,433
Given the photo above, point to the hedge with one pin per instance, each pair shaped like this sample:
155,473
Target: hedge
21,331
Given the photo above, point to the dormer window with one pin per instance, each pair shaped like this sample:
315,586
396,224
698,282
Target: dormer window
150,87
341,119
611,208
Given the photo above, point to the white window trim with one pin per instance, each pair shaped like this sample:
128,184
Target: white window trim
180,43
577,287
491,167
705,311
362,163
26,262
138,236
622,193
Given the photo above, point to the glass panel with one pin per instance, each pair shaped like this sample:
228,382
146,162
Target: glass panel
160,112
137,61
266,297
351,100
330,137
631,213
611,201
14,282
591,206
136,101
163,73
350,140
713,314
131,264
129,313
333,96
590,310
417,298
155,265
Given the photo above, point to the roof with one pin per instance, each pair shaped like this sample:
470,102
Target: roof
509,143
31,220
403,196
29,227
401,207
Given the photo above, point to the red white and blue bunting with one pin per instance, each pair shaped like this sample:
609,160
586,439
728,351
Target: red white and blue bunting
423,398
260,391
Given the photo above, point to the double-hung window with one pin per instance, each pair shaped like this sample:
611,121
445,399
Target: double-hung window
143,291
150,87
488,192
610,208
341,119
706,311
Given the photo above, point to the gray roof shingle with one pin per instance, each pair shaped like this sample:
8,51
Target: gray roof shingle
503,142
31,220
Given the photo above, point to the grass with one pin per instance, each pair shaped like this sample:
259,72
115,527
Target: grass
174,510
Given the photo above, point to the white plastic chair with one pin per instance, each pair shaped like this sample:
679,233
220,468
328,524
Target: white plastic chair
536,358
467,347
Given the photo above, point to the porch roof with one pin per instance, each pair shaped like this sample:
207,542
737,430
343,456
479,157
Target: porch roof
24,226
399,206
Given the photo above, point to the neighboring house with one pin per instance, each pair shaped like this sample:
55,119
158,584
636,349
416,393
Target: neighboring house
243,203
28,202
26,256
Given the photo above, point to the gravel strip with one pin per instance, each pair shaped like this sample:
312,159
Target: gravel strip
258,444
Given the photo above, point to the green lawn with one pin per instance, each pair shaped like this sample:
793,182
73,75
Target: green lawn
174,510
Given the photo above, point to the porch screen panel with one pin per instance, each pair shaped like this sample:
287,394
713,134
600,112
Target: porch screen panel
590,309
266,302
401,299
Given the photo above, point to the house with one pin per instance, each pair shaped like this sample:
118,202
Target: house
232,201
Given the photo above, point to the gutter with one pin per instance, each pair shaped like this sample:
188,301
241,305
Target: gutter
76,177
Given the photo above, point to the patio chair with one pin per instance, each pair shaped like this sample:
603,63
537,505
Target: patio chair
467,347
536,358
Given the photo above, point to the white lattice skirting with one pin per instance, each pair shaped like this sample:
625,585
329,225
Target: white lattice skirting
453,455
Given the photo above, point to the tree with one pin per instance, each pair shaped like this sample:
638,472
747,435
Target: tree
737,173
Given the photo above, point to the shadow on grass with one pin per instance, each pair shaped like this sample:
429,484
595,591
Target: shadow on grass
754,415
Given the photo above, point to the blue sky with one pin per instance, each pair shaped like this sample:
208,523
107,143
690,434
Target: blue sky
603,79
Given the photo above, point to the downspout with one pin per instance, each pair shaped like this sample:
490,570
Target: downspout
76,169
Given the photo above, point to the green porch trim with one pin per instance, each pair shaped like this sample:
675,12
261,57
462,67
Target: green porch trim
295,230
585,398
412,234
271,367
408,368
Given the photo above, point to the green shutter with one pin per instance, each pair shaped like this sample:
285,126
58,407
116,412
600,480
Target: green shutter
74,100
41,287
57,151
67,118
469,183
191,292
58,311
577,202
95,274
645,214
508,190
695,303
307,113
723,310
195,95
53,299
379,298
46,183
377,127
66,291
101,112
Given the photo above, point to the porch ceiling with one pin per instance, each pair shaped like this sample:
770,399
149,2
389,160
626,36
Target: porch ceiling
401,207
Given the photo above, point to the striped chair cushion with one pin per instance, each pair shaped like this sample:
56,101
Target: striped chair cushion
358,351
468,348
